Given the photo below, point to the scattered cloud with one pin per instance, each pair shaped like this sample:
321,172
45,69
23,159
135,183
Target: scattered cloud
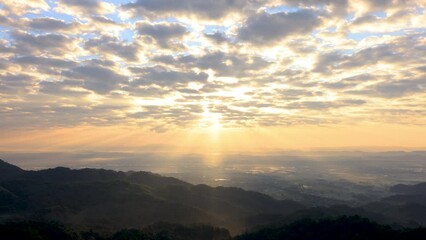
96,78
82,8
206,9
265,28
161,64
161,33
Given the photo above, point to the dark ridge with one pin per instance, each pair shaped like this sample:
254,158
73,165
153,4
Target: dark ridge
343,228
417,189
9,171
110,200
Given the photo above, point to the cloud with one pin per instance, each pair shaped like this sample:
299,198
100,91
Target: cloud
44,65
104,25
149,91
339,85
370,56
323,105
207,9
294,94
104,20
4,65
56,44
84,8
8,21
66,88
97,78
176,115
162,33
391,52
50,24
106,45
366,19
217,37
338,7
161,64
45,62
422,69
165,77
327,61
393,89
16,83
264,28
224,64
69,113
383,5
21,7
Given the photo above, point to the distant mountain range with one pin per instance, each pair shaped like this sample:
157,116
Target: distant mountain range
107,201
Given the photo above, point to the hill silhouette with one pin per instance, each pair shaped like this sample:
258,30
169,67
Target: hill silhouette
342,228
109,200
9,171
408,204
417,189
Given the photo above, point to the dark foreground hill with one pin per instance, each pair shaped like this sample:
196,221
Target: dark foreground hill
109,200
53,231
9,171
343,228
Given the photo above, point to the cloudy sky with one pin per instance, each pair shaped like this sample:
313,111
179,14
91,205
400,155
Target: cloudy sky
226,75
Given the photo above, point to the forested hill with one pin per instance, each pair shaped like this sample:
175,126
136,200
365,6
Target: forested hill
343,228
109,200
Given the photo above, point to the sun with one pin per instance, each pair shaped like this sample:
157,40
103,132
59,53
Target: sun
210,120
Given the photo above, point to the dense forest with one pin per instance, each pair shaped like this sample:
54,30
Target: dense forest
344,228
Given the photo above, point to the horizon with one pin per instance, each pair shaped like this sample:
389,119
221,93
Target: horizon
374,169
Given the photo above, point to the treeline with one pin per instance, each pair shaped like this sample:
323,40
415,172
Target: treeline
32,230
343,228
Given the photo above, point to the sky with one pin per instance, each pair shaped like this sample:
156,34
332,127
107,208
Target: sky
212,75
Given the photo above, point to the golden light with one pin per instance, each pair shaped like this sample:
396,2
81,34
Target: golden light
210,120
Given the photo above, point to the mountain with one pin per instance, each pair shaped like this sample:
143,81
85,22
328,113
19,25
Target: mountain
408,204
32,230
343,228
417,189
109,200
9,171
